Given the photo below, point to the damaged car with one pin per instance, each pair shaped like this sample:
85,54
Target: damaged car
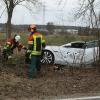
73,53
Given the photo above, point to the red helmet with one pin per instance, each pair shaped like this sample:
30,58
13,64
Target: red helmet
32,26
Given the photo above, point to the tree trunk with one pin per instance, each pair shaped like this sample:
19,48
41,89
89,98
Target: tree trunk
10,12
99,44
9,28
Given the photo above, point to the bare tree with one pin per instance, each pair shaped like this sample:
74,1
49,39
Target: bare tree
10,5
88,9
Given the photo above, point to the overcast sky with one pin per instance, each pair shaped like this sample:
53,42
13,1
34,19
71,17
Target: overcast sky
62,14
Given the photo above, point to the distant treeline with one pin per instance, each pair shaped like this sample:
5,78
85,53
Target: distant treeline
51,29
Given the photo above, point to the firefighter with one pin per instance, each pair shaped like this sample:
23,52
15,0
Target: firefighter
36,44
11,44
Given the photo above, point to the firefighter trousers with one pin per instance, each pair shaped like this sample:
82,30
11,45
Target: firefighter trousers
35,66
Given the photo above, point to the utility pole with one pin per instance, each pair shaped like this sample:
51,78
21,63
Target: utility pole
44,10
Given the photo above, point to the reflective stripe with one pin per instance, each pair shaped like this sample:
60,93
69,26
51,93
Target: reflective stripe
34,37
30,42
43,41
7,45
8,42
36,53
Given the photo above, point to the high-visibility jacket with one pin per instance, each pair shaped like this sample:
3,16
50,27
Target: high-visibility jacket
12,44
36,43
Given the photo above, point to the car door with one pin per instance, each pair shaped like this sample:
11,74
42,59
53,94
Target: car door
73,54
64,52
91,52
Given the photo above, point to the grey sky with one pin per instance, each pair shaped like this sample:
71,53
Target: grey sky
58,14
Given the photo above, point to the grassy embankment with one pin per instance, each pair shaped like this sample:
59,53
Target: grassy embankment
53,39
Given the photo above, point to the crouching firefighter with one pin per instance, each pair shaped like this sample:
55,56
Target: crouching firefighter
10,45
36,44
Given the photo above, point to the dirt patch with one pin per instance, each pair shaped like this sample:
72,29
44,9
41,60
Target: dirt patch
15,84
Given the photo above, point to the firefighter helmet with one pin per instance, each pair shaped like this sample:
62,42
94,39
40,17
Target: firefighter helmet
17,38
32,26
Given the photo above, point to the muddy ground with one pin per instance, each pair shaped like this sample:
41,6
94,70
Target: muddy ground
14,83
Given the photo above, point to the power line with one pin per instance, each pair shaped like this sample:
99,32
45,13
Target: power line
2,12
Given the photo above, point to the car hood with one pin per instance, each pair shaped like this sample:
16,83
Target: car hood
52,47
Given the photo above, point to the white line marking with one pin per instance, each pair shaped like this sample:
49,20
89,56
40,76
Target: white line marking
83,98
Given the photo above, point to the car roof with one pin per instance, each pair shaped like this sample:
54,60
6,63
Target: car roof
95,42
83,41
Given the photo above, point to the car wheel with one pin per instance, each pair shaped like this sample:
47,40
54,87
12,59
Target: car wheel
47,57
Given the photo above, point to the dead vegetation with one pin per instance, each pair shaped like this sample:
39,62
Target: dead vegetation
15,84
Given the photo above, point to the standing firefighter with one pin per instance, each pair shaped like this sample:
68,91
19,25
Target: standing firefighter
36,44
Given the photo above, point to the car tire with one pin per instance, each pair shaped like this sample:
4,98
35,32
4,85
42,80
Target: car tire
47,57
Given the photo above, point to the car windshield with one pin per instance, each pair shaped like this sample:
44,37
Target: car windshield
75,45
82,44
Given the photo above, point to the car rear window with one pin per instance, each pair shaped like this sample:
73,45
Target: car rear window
92,44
